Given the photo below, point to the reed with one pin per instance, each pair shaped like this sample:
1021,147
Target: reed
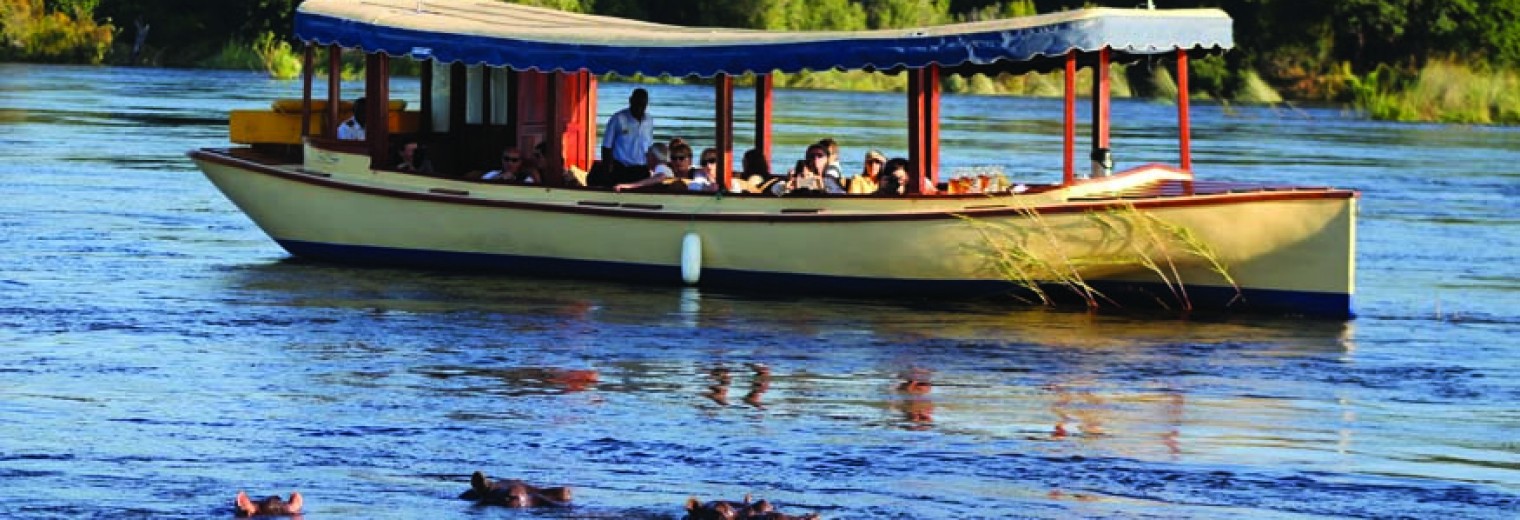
1034,256
277,57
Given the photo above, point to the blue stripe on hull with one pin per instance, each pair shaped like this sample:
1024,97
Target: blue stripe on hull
1126,294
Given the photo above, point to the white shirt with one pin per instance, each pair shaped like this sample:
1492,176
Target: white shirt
662,171
628,137
350,130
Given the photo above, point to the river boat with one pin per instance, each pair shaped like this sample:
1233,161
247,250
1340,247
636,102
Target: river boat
494,74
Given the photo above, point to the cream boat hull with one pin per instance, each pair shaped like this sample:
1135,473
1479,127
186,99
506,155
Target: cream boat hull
1283,251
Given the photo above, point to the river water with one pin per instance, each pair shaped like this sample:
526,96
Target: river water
158,353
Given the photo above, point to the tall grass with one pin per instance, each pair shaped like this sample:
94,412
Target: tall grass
1032,254
1442,91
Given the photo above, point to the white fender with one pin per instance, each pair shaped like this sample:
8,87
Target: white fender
691,258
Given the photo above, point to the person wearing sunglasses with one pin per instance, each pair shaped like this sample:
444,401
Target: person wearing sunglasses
515,169
700,178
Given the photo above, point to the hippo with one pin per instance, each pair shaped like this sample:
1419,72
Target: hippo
268,506
746,510
514,493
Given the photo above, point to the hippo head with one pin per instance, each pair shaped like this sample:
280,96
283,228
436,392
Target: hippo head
268,506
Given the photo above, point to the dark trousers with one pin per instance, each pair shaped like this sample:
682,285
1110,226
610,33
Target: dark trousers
611,174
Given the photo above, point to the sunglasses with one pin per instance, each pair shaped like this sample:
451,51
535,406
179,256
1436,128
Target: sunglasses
679,157
817,155
710,160
511,159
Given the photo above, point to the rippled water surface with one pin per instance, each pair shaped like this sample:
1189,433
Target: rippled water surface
158,353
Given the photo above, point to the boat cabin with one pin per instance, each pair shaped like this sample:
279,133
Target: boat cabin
495,74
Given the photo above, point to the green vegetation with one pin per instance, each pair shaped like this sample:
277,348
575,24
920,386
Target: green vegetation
1395,59
64,32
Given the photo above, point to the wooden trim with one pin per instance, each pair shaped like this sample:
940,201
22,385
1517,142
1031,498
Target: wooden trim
592,208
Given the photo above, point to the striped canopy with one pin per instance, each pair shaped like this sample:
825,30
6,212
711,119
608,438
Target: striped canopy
500,34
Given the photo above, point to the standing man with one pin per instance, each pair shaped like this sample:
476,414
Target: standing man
353,128
629,134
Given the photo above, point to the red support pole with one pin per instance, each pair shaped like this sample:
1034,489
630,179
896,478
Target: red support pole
554,131
308,60
916,118
763,85
1184,126
334,81
724,130
377,95
1101,105
930,168
1069,174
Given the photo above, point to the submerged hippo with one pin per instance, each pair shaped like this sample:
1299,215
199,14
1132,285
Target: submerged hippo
514,493
268,506
746,510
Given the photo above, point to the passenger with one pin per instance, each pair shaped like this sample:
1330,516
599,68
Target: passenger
893,180
414,158
353,128
757,170
865,183
514,169
629,135
833,169
656,169
807,176
702,177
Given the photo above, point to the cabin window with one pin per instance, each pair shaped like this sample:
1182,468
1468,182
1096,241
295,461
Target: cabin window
440,96
477,110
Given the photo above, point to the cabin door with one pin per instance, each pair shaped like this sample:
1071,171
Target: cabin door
577,114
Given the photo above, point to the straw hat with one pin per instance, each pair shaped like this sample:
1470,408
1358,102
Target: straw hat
875,154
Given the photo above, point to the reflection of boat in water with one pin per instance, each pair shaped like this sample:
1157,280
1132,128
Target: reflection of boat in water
1148,234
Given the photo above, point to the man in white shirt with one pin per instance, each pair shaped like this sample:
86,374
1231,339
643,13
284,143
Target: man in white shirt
629,134
353,128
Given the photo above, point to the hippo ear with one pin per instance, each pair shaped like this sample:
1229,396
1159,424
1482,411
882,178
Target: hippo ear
747,498
478,481
692,504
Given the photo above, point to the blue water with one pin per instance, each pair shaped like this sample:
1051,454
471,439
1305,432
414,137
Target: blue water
158,353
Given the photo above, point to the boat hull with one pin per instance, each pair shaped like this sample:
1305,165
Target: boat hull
1283,252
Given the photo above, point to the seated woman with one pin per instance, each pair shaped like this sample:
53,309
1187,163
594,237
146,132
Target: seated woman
700,178
865,183
757,171
657,159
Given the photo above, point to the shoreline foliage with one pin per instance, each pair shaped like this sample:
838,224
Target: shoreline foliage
63,32
1383,57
